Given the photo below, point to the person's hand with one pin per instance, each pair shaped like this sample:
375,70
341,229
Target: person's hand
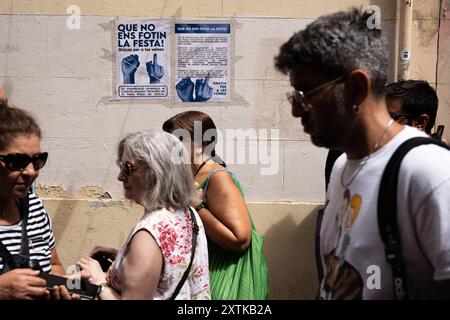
129,67
62,293
91,271
185,89
154,70
203,92
22,284
110,253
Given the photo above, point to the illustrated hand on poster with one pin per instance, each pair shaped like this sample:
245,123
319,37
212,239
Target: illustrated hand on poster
129,67
155,71
203,92
185,89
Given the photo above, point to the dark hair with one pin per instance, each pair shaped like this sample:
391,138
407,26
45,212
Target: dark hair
15,122
186,120
339,43
417,97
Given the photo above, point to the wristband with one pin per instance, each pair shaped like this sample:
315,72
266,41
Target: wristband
102,288
200,207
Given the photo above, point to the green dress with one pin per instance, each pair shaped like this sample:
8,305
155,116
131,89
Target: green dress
237,276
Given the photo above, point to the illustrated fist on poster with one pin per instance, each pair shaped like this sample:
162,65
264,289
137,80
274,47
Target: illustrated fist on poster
129,67
203,92
185,89
154,70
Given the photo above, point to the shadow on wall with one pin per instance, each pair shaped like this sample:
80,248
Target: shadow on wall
288,231
68,243
289,250
79,225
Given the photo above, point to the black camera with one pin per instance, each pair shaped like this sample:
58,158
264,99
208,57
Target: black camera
104,260
19,261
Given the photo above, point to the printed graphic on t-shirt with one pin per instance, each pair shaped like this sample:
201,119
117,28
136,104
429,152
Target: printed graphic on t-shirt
342,280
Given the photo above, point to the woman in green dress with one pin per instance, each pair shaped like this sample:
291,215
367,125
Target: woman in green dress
238,269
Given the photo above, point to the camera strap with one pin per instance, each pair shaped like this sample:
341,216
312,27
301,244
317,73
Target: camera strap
23,205
195,230
4,253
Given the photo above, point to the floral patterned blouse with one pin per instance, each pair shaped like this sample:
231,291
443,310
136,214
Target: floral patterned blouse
173,234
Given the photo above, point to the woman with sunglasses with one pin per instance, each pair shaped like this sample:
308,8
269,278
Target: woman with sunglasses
20,161
237,265
165,255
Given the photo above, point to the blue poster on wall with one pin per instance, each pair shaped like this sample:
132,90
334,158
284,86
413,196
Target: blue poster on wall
143,59
202,62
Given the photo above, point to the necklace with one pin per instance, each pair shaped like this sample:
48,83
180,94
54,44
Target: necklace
201,166
4,209
3,212
366,158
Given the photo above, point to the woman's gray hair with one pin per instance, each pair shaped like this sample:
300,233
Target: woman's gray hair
168,177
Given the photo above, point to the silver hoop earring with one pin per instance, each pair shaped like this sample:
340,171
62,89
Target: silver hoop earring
355,109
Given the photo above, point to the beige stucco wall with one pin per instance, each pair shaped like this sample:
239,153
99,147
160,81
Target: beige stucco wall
288,231
66,78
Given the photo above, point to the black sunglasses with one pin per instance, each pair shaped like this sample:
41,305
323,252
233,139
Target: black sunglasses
397,116
125,167
19,161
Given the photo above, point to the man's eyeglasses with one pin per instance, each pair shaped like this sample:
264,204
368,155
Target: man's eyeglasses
397,116
125,167
19,161
299,97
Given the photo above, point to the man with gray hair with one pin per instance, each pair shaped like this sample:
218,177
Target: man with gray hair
337,67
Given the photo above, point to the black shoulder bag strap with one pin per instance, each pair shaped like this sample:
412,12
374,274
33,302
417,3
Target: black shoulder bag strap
387,213
195,230
23,205
4,253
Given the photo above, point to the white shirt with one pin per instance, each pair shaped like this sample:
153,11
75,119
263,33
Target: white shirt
352,250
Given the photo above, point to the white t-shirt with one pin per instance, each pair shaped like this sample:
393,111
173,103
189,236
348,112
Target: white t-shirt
352,250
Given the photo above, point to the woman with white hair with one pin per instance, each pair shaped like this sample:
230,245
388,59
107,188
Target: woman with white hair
165,255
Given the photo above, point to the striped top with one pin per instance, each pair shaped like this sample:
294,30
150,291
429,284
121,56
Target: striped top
40,235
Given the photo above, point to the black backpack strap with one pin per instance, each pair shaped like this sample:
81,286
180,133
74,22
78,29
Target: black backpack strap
319,267
4,253
195,230
332,156
387,213
24,207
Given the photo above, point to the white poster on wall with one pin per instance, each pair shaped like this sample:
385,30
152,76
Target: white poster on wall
142,59
202,62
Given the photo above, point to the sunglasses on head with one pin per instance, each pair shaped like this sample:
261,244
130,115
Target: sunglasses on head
19,161
125,167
